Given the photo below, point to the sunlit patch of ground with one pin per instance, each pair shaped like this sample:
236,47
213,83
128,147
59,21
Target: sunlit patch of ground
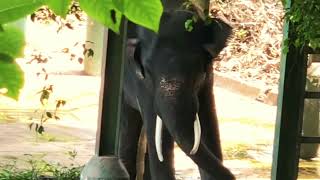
247,130
247,147
249,154
309,169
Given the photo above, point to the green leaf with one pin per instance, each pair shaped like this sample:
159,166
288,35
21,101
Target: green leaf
11,46
11,10
59,7
12,43
188,25
143,12
103,11
36,128
11,78
49,114
6,58
90,52
40,129
44,96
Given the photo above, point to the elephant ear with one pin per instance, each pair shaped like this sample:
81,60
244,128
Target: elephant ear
217,34
138,62
134,56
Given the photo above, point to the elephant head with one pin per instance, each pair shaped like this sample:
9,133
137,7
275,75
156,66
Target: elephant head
171,69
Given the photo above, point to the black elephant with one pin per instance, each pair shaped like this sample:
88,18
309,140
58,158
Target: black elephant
168,89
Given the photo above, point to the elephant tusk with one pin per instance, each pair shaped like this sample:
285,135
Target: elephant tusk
197,135
158,138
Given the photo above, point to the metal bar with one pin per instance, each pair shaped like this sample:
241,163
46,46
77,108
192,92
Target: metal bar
290,111
312,95
311,140
111,90
289,117
105,164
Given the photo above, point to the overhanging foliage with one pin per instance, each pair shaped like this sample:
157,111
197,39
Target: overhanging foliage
304,16
108,12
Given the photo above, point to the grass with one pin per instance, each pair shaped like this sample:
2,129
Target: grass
49,137
38,169
249,142
269,125
2,117
237,151
309,169
6,119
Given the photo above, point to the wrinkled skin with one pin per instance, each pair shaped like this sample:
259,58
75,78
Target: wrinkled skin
169,75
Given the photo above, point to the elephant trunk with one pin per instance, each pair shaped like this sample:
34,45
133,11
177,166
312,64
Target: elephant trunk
181,119
158,136
176,108
179,114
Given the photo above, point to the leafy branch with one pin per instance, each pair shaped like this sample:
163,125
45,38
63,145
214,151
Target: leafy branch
108,12
305,20
45,94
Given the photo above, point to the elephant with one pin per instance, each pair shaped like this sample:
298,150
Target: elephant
168,89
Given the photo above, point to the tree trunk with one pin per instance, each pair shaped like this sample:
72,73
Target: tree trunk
202,7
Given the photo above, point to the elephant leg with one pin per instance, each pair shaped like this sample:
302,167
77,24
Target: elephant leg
211,134
130,128
160,170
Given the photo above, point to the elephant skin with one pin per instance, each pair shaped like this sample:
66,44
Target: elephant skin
167,89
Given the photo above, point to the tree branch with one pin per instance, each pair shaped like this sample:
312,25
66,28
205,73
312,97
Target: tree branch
202,7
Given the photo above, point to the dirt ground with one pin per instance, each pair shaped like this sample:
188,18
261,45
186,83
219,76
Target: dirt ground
247,128
245,131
